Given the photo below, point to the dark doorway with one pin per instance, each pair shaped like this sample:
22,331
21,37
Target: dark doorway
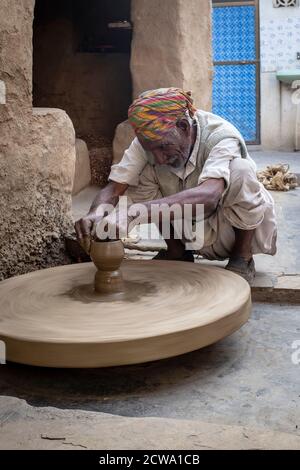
81,56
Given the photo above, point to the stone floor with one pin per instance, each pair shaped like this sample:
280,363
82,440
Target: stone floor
246,383
243,392
27,427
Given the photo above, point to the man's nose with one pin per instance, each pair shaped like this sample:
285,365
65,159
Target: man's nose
160,158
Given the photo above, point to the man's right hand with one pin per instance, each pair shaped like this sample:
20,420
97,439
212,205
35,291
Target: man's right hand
85,228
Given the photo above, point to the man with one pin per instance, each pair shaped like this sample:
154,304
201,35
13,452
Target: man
186,156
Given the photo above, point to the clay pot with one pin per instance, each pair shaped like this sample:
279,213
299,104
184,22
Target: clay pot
107,256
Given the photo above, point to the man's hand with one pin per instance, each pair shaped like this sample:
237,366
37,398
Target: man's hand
85,228
114,226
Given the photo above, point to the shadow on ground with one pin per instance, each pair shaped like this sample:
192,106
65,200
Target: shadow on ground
97,388
247,379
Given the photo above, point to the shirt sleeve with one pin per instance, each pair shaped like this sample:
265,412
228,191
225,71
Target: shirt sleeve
128,170
217,163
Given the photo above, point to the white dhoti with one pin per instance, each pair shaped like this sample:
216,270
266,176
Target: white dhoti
246,205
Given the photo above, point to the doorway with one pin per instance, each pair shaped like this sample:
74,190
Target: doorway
81,62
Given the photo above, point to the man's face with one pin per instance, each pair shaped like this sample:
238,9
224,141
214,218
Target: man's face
173,150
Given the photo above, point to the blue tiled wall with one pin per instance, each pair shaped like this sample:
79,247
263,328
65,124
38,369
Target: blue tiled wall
234,86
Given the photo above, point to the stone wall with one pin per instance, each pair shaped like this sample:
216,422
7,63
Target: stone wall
37,157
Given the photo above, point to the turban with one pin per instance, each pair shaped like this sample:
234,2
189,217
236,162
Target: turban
155,112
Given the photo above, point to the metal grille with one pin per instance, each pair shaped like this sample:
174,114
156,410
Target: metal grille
285,3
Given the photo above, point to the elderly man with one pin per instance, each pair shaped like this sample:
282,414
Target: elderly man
182,155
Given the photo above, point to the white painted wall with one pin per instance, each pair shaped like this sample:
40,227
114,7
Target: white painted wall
279,44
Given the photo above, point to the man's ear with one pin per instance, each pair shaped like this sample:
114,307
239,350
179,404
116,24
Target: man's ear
184,125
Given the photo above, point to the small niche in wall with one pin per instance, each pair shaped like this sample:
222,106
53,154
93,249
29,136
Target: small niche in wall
103,27
285,3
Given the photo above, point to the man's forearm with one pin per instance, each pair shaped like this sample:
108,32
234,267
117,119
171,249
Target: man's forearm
208,194
108,195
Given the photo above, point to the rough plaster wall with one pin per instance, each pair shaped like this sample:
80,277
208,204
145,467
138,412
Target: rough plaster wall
172,47
37,157
94,89
196,50
15,64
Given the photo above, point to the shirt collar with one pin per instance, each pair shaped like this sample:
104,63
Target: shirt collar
193,156
192,161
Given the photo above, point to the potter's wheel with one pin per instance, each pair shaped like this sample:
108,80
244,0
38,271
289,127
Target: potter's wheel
53,318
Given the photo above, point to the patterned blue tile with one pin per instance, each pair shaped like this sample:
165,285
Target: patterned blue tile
234,97
234,33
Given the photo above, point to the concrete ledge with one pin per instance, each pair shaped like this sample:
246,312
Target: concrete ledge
267,287
271,288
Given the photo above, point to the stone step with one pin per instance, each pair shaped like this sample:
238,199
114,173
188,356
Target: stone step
27,427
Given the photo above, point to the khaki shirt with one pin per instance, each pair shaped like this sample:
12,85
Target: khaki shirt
135,159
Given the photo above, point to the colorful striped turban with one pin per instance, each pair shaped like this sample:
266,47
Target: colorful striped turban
155,112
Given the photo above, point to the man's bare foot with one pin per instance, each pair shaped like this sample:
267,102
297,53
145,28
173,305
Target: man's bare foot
167,256
243,267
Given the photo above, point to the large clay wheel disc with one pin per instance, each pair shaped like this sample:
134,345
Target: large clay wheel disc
53,318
